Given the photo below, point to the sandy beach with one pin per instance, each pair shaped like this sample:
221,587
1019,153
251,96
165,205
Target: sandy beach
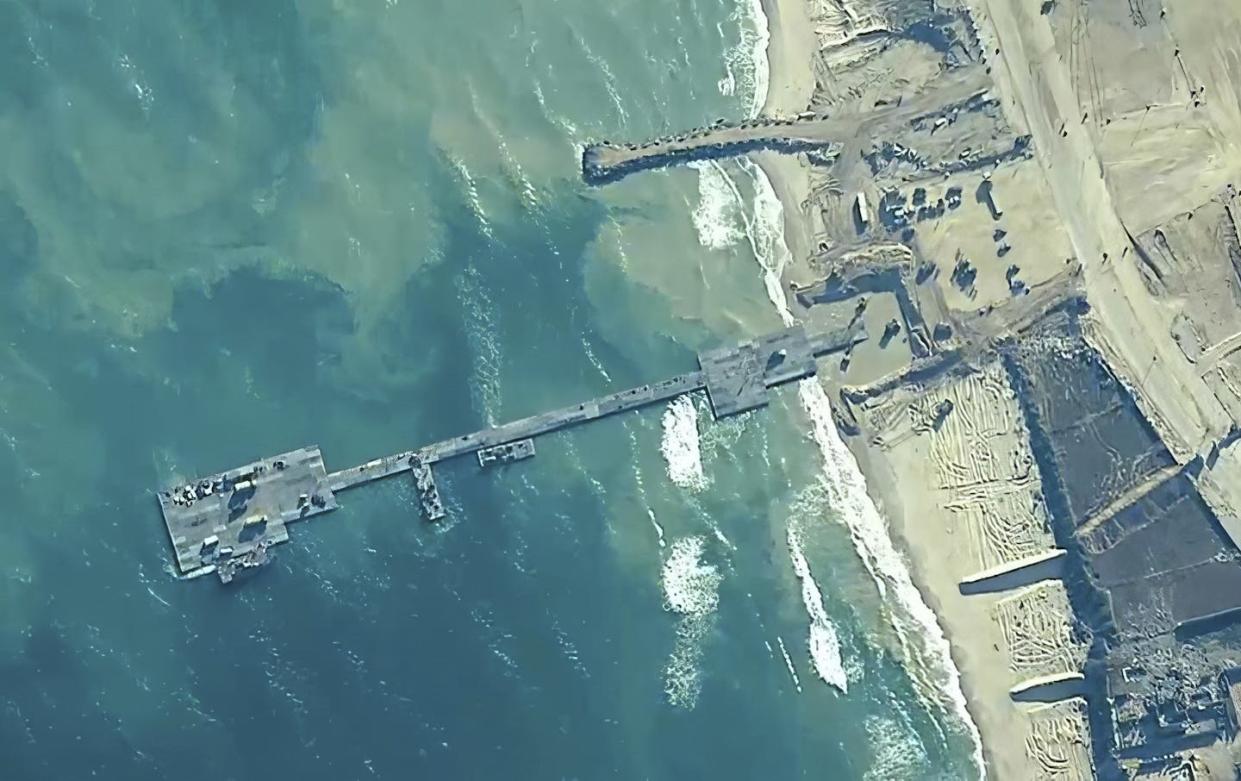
964,501
1032,210
944,545
791,84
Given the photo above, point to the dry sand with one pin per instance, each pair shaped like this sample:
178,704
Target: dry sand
979,506
790,87
1040,86
966,498
1125,193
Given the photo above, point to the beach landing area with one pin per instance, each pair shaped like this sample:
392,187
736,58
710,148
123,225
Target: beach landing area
1033,211
1045,421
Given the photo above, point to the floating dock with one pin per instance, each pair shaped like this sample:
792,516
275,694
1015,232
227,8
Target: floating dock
225,523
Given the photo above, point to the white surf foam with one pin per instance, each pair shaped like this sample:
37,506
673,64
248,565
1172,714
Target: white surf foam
691,590
728,82
823,644
659,530
745,64
895,751
746,73
925,648
788,663
471,195
682,674
680,444
718,533
923,643
717,217
765,232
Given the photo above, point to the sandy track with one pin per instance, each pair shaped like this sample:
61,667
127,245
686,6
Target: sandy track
1126,326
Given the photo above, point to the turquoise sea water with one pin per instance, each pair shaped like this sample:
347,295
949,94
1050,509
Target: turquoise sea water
229,229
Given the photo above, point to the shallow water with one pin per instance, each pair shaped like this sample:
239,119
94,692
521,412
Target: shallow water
233,229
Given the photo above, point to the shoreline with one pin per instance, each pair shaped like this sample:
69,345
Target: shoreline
880,484
790,84
791,45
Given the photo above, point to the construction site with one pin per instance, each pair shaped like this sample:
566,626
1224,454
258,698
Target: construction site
1016,265
1032,206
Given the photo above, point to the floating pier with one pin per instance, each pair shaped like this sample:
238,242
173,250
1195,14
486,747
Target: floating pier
225,523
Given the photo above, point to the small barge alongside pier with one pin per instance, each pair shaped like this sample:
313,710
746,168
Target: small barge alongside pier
225,523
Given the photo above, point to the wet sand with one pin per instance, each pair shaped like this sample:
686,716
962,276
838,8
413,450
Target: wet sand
933,538
789,52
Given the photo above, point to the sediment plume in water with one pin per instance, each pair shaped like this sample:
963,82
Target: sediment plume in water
925,647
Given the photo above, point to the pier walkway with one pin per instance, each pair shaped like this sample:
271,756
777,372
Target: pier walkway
525,428
226,522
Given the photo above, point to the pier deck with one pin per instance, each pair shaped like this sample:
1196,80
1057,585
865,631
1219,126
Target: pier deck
226,522
240,512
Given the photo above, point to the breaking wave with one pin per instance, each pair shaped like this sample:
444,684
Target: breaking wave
895,754
659,530
823,644
746,73
718,213
925,648
691,588
745,64
788,663
680,444
692,591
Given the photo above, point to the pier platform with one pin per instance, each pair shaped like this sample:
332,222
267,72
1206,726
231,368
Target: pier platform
231,514
225,523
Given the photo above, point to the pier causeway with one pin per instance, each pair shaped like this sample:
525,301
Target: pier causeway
810,131
606,161
225,523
